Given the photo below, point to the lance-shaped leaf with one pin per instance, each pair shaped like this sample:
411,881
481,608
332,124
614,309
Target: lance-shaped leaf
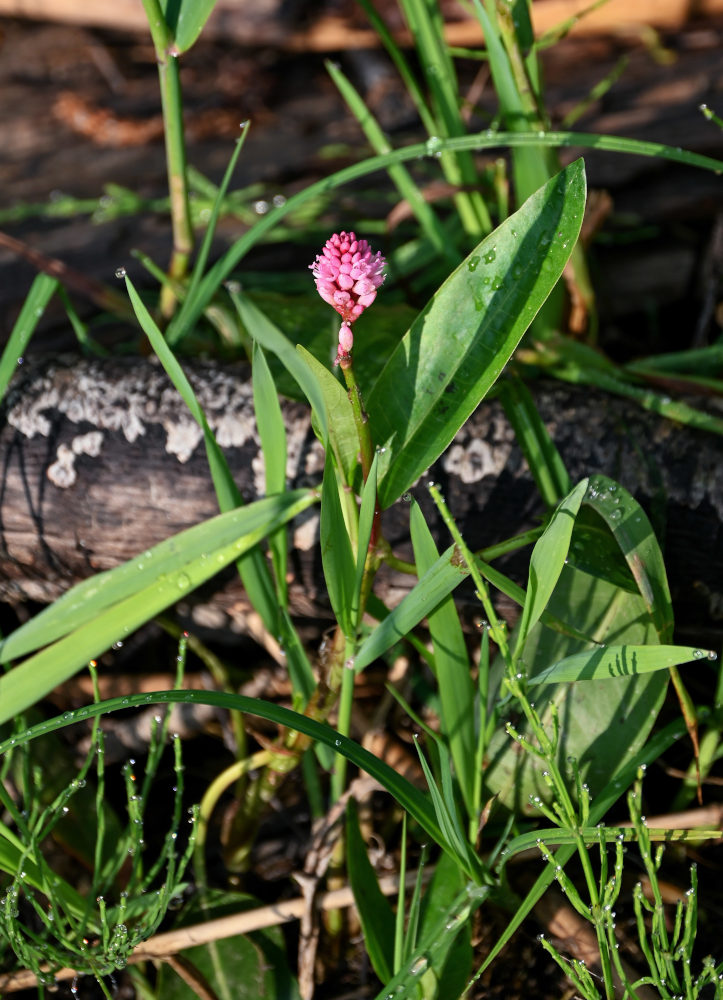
461,341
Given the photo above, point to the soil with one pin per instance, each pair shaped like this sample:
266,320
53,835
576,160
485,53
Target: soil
79,110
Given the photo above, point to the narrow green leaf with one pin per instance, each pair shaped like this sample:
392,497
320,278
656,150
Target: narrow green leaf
272,433
425,965
462,339
618,661
270,422
433,586
547,468
547,560
337,558
415,802
444,887
452,666
41,292
366,526
375,913
272,339
343,437
228,535
84,602
446,810
186,19
218,199
253,569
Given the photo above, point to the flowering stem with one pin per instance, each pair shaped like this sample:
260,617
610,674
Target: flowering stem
366,449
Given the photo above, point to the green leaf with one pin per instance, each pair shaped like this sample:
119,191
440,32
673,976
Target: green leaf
115,603
431,954
245,966
632,531
41,292
191,311
439,581
460,342
272,339
366,526
444,887
618,661
270,422
186,19
543,458
603,723
253,568
452,666
415,802
343,437
547,560
375,913
336,553
272,433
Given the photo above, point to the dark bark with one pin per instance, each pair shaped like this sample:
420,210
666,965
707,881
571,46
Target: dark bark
100,460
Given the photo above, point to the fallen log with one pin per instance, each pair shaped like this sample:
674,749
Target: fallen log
100,460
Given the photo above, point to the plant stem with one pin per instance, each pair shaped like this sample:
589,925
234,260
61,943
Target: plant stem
338,778
360,418
172,107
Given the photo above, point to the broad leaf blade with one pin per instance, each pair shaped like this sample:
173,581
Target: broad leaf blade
633,533
618,661
603,723
459,344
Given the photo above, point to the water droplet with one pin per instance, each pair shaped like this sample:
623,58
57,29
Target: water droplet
120,272
184,581
433,145
490,256
419,966
473,262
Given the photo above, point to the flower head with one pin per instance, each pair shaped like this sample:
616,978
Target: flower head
347,276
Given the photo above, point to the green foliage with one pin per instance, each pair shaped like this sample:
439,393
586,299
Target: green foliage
553,730
459,344
42,290
107,608
245,966
93,932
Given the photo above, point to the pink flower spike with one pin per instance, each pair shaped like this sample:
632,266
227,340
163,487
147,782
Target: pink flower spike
347,276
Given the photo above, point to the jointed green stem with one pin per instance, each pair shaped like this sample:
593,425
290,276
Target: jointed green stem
172,107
